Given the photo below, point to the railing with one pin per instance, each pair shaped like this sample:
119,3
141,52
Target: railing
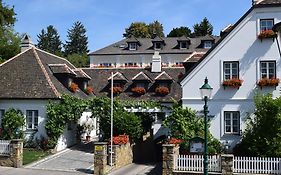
257,165
196,163
5,147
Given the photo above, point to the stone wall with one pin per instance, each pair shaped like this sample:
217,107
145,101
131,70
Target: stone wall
122,155
16,156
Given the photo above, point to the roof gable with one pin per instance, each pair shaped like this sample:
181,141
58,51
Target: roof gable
163,76
141,77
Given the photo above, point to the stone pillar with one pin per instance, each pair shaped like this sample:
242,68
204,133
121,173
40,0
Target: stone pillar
100,160
169,152
227,164
17,152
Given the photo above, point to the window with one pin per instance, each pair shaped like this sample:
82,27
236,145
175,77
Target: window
183,45
208,44
140,85
163,84
231,122
266,24
105,64
230,70
2,111
157,46
117,84
132,46
31,119
130,64
267,69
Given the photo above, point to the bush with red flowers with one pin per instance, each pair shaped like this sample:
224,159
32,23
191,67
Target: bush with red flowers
73,87
235,82
138,90
116,90
174,141
162,90
120,140
89,90
268,82
267,34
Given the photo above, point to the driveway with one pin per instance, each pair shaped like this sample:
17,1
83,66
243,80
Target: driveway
139,169
79,158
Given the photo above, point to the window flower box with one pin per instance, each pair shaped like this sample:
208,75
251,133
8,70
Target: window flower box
116,90
73,87
89,90
162,90
267,34
268,82
235,83
138,90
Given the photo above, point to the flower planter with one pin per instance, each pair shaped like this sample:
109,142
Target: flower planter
266,82
162,90
73,87
234,83
89,90
267,34
138,90
116,90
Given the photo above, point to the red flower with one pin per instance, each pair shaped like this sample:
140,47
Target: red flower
162,90
117,90
138,90
175,141
73,87
120,140
268,82
267,34
90,90
235,82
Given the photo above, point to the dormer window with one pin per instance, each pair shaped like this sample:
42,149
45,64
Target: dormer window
183,45
157,45
266,24
132,46
208,44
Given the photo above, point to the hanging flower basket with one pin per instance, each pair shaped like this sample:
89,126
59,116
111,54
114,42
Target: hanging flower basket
268,82
89,90
267,34
73,87
162,90
116,90
138,90
235,83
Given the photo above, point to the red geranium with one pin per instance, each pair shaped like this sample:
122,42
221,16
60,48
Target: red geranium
73,87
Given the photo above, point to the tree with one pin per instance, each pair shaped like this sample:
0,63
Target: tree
9,39
178,32
262,135
203,28
77,40
155,29
138,30
78,60
49,40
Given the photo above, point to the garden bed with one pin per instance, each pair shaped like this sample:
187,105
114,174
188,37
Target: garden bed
32,155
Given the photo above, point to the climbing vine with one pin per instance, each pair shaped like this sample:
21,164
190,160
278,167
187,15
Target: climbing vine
69,108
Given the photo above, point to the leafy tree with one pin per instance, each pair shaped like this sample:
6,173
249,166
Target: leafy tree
184,124
77,40
203,28
7,15
178,32
138,30
262,136
49,40
78,60
9,43
9,39
12,124
155,29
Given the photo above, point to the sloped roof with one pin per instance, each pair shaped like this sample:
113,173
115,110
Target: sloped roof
163,76
101,84
118,76
269,2
29,76
171,46
61,69
141,77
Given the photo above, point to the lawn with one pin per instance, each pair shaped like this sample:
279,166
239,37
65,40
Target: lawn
31,155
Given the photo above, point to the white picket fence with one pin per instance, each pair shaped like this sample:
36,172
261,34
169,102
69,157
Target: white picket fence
195,163
5,147
257,165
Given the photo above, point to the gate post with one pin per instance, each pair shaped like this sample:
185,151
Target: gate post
227,164
100,160
169,152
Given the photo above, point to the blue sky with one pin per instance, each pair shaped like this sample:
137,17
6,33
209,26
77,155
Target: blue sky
106,20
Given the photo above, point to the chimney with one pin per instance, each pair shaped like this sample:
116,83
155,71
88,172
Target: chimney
254,2
156,62
26,43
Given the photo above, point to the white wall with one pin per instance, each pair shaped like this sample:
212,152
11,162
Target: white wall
240,45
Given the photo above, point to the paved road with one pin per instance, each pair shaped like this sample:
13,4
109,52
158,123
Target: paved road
139,169
76,159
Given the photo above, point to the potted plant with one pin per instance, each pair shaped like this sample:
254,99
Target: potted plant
268,82
162,90
88,126
267,34
116,90
73,87
89,90
138,90
235,83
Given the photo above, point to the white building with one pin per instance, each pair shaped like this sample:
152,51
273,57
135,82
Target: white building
241,54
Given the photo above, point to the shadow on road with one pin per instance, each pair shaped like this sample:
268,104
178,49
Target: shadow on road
157,170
